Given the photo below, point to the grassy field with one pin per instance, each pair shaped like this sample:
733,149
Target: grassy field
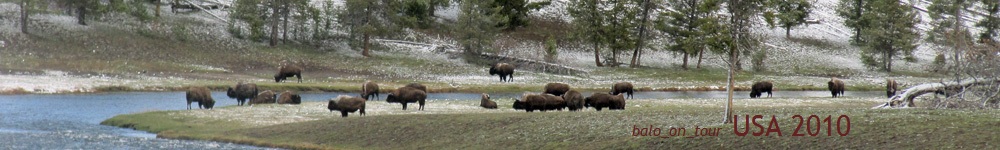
461,125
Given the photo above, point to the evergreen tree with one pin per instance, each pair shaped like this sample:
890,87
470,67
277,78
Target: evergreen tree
851,11
991,22
477,25
895,33
684,26
588,21
946,21
787,13
516,11
367,18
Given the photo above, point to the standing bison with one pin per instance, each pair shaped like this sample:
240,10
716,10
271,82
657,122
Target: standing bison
574,100
485,102
836,87
504,70
405,95
266,97
346,104
418,86
288,71
891,87
601,100
557,89
541,102
201,95
758,88
369,89
623,87
289,97
242,92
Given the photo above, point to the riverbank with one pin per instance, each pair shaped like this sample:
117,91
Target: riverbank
449,124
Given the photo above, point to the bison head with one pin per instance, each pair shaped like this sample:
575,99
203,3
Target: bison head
518,104
278,78
207,104
332,105
231,93
493,69
391,98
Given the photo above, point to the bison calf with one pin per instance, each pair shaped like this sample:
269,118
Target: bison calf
891,87
289,97
369,89
201,95
557,89
485,102
836,87
623,87
504,70
242,92
601,100
757,89
288,71
574,100
347,104
405,95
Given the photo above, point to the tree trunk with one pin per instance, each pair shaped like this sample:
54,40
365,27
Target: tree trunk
24,16
365,51
81,14
284,31
905,99
857,13
685,64
274,23
642,29
157,3
597,55
788,29
729,86
701,54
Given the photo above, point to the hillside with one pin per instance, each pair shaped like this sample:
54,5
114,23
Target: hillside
116,52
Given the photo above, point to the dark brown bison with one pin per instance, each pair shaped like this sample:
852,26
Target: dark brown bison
836,87
574,100
557,89
242,92
601,100
623,87
288,71
487,103
419,86
266,97
504,70
201,95
540,102
289,97
758,89
891,87
405,95
369,89
346,104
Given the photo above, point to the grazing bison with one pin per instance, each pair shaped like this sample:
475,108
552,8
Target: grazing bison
487,103
574,100
836,87
891,87
419,86
405,95
541,102
266,97
288,71
346,104
504,70
601,100
757,89
623,87
242,92
201,95
289,97
557,89
369,89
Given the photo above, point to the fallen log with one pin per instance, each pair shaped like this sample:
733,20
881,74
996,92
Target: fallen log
906,98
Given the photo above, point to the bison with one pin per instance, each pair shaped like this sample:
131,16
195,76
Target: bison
419,86
891,87
289,97
201,95
369,89
541,102
346,104
242,92
836,87
485,102
557,89
266,97
504,70
288,71
623,87
574,100
601,100
758,88
405,95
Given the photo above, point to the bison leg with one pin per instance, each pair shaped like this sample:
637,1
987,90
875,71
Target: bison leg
343,113
768,94
510,77
404,105
299,76
189,105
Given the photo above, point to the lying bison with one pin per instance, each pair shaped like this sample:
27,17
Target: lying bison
574,100
242,92
266,97
757,89
541,102
289,97
419,86
485,102
346,104
557,89
836,87
369,89
201,95
504,70
623,87
405,95
602,100
288,71
891,87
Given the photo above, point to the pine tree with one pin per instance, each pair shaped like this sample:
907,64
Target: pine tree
684,26
990,23
477,25
588,20
787,13
367,18
851,11
894,34
946,21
